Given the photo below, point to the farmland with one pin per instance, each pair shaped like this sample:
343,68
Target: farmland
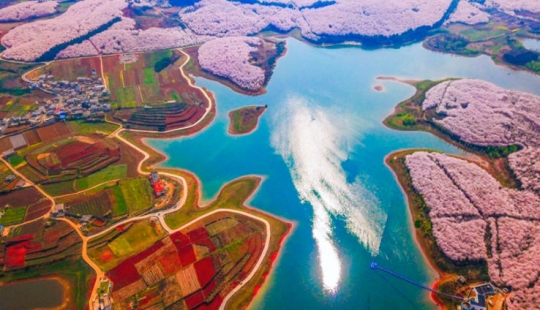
500,39
196,266
107,174
12,216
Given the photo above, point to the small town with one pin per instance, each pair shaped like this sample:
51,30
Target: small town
86,98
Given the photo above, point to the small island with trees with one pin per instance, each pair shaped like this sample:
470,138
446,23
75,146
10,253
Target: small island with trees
245,120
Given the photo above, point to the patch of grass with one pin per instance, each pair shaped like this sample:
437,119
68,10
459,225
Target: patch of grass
83,128
16,160
13,216
138,237
137,194
149,77
57,189
119,205
126,97
482,34
104,175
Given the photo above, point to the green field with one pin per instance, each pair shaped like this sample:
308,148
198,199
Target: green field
126,97
138,237
15,160
119,206
13,216
104,175
137,194
81,127
149,76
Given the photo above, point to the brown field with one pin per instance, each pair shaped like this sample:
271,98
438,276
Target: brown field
21,197
191,268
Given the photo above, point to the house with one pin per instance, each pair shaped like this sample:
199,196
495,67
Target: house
157,185
58,210
7,154
49,120
85,219
10,178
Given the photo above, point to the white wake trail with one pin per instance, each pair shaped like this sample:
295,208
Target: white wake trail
314,143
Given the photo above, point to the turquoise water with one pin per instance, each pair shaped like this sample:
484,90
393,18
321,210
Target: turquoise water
321,146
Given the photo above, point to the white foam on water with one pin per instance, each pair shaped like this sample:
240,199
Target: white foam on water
314,141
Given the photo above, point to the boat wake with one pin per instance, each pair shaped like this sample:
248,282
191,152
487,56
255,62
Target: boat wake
314,142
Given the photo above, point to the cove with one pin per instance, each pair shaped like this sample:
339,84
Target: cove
321,146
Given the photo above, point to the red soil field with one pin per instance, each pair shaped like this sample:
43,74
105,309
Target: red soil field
187,255
144,254
194,300
31,137
205,270
180,240
208,289
15,255
106,255
123,274
37,210
47,133
170,262
21,197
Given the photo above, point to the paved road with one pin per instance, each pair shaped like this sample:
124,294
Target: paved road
100,275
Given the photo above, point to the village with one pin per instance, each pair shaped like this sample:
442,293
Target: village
86,98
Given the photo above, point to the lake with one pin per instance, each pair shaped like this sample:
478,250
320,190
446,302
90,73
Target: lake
31,294
321,146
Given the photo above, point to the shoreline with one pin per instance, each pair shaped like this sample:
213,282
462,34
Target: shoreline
232,131
412,213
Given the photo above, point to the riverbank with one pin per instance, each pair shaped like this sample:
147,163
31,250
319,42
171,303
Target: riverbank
245,120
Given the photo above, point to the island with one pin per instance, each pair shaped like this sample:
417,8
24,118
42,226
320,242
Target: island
474,215
245,120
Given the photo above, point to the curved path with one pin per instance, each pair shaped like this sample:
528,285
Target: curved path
161,215
100,275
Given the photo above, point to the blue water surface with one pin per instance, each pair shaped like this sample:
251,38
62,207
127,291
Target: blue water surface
336,86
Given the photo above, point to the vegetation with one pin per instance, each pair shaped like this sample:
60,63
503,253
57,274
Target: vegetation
471,270
450,43
137,194
104,175
12,216
82,128
119,205
51,53
16,160
244,120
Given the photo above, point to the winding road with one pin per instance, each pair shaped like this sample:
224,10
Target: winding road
100,275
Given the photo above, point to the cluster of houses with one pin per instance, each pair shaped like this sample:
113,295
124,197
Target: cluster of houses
85,98
157,185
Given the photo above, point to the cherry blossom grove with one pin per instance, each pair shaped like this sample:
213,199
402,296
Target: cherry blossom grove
78,50
29,41
344,17
510,6
484,114
468,13
509,217
229,58
123,37
27,10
